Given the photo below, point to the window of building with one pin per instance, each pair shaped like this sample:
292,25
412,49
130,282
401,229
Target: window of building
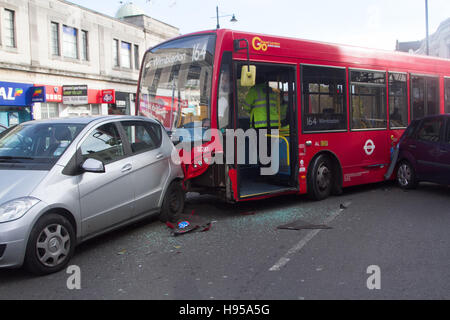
137,61
10,33
324,102
84,46
424,96
368,100
398,100
125,55
447,95
54,36
103,144
116,53
70,42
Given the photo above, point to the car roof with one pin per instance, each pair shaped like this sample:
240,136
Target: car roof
445,115
87,120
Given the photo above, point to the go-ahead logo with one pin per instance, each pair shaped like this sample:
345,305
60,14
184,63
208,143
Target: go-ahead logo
369,147
260,45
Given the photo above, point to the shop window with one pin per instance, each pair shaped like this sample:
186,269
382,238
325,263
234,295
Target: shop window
424,96
324,103
49,110
368,100
398,100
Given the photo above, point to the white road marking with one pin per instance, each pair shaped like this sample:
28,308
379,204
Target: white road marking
299,246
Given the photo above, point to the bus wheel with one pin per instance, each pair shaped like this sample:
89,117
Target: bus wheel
320,178
406,176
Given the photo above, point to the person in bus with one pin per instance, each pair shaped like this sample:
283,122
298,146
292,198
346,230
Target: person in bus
256,105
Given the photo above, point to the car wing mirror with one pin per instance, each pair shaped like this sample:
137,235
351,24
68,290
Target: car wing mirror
93,165
175,139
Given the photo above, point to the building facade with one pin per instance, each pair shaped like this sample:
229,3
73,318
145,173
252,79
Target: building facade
439,43
59,59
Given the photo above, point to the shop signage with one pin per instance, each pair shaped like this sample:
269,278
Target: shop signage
14,94
75,94
108,96
38,94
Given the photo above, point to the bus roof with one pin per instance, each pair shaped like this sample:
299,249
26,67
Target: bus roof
316,52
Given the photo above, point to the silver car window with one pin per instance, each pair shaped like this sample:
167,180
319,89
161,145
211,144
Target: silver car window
104,144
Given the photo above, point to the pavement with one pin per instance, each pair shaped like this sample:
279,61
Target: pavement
245,256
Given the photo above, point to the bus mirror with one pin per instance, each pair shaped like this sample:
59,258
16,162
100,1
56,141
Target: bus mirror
248,77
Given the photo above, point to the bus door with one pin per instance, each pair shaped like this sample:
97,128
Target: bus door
266,132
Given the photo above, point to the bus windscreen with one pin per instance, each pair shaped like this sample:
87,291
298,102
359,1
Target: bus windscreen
175,85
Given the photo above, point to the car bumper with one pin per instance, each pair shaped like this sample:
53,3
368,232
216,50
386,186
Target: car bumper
14,237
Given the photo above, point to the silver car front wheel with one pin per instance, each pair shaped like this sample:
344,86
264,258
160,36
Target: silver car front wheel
51,244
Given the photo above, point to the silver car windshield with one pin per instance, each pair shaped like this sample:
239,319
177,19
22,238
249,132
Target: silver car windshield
37,143
175,86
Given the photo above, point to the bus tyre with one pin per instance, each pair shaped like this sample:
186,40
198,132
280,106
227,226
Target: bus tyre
406,176
320,178
51,245
173,203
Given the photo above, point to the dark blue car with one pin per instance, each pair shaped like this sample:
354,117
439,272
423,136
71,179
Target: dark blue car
424,152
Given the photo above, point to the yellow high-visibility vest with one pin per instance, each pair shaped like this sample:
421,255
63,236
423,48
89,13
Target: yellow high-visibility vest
256,104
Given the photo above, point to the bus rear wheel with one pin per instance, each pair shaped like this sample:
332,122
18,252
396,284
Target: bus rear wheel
320,178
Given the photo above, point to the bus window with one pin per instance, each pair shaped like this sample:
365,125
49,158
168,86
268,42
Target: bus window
398,101
368,102
424,96
447,95
324,103
225,93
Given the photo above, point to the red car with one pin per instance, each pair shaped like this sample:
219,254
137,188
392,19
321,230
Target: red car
424,152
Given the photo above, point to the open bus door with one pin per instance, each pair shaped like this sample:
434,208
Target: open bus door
270,132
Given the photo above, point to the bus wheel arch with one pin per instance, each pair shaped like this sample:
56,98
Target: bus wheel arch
324,165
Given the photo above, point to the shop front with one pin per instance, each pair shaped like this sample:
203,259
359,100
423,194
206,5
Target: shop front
72,101
15,103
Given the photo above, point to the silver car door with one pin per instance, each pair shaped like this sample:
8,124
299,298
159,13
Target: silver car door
150,163
106,199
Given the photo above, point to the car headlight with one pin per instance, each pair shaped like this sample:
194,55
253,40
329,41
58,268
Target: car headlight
15,209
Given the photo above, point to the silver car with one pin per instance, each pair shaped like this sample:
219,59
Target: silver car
65,181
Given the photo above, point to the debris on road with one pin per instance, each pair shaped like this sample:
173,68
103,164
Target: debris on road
189,223
302,225
345,205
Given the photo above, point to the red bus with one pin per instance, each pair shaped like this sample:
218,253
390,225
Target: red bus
345,108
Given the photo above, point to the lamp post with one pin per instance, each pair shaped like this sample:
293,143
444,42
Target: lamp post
426,22
233,17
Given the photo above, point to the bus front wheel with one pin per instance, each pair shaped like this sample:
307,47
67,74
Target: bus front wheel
320,178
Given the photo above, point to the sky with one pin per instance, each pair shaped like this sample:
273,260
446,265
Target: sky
366,23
